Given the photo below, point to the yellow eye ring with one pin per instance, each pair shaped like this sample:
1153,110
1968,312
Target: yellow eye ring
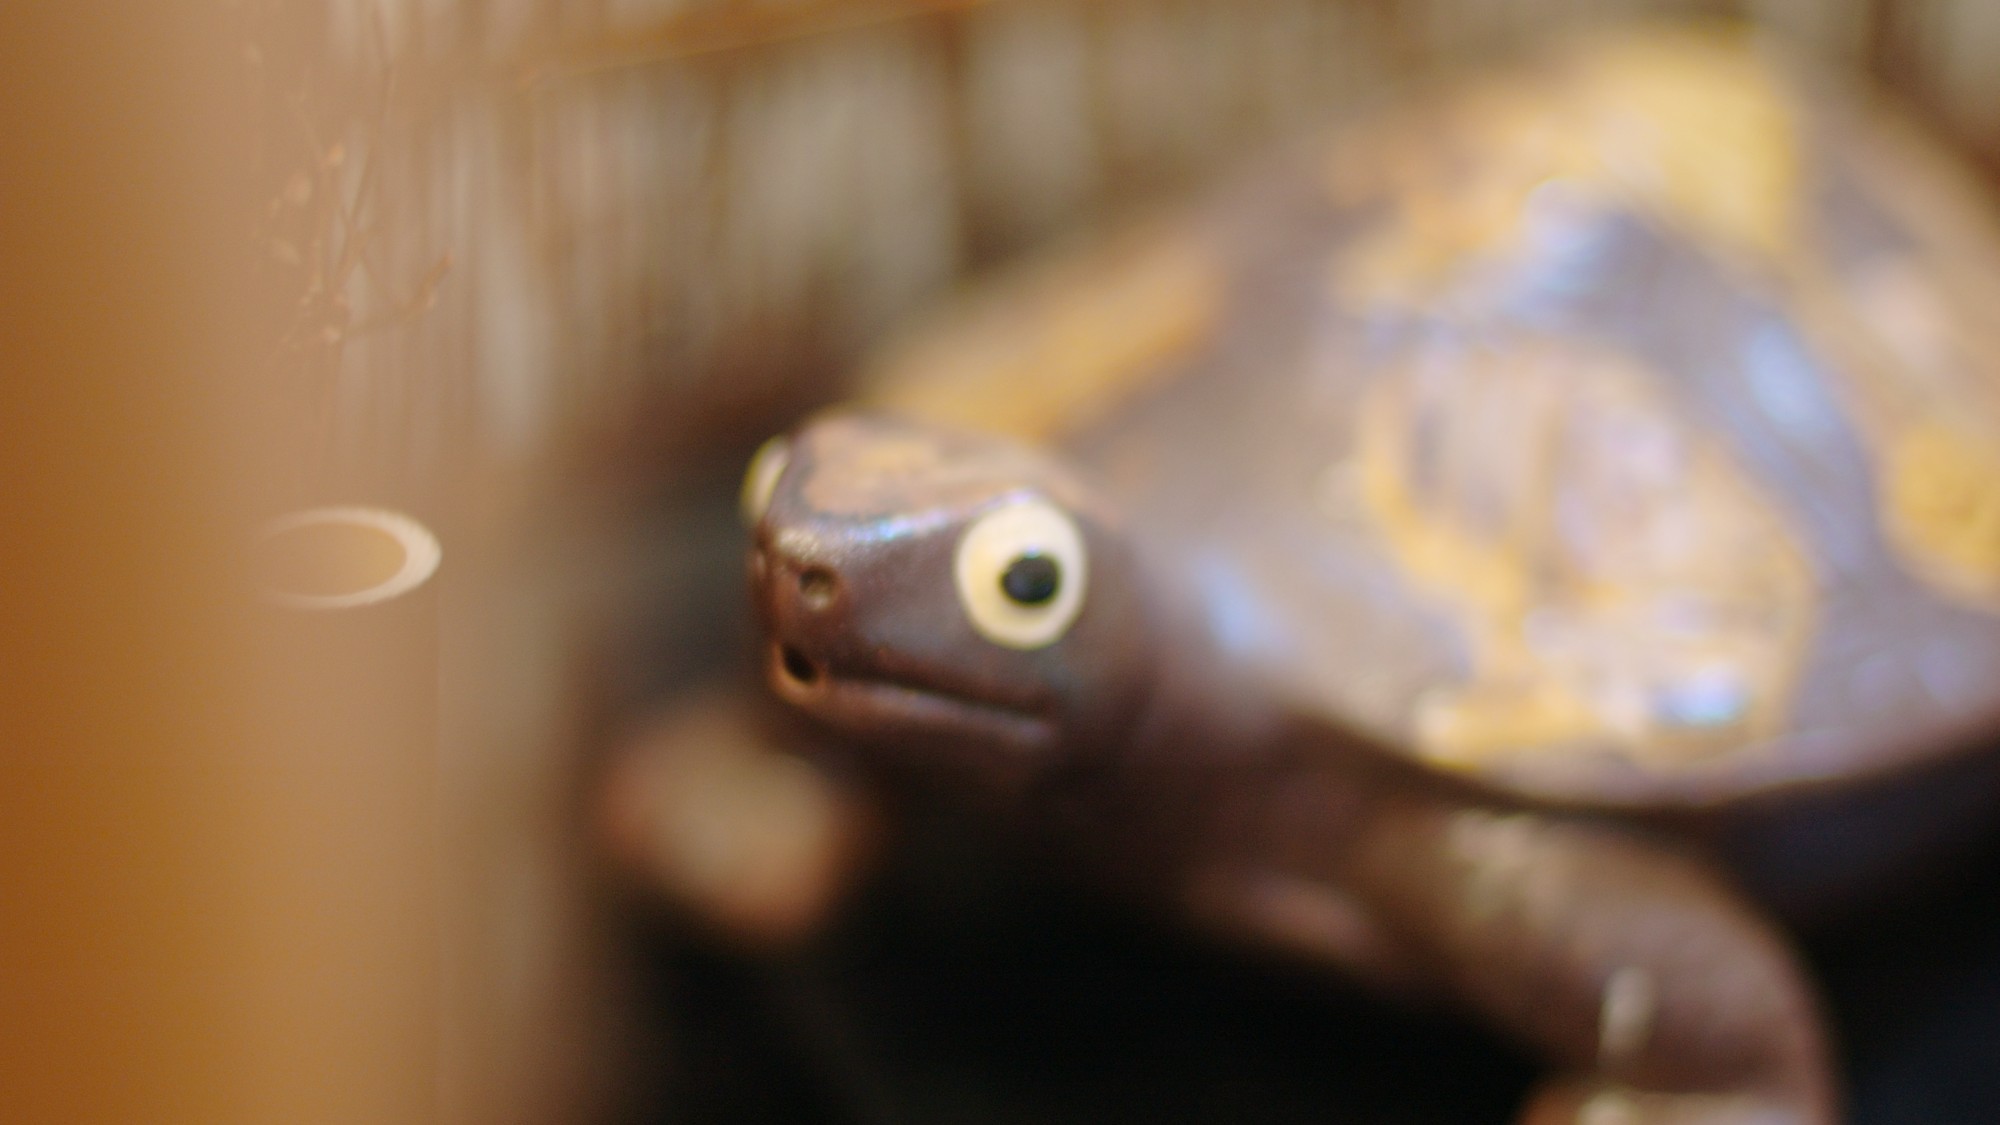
1021,573
762,479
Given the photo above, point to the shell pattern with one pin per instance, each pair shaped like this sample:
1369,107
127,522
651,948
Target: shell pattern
1634,410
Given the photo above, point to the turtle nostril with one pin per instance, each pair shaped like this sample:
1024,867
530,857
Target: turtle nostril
817,587
802,670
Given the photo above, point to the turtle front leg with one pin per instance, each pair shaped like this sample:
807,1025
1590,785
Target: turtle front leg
1661,995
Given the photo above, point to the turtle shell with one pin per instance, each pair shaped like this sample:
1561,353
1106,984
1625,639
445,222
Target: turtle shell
1620,427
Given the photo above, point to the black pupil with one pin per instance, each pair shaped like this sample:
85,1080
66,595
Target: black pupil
1031,579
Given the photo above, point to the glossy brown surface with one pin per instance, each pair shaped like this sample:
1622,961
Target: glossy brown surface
1619,434
1524,457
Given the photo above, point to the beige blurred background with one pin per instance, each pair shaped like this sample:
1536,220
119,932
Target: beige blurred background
539,273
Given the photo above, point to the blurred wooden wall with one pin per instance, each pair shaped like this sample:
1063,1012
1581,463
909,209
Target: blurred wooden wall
699,211
217,857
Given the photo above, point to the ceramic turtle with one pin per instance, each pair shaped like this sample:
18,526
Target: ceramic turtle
1513,549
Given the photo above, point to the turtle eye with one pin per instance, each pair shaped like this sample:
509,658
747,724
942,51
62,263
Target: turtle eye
1020,572
1032,578
762,479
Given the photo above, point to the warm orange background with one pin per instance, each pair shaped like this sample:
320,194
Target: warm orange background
210,910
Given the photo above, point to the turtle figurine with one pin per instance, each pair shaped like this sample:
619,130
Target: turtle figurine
1515,548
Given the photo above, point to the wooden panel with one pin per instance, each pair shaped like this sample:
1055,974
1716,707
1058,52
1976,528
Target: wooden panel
213,912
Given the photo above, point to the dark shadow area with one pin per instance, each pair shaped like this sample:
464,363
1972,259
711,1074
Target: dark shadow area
953,994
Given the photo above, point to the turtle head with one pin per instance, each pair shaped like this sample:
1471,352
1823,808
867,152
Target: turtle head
955,599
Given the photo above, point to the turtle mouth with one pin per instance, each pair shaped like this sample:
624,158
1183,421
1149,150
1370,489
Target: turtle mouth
879,707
